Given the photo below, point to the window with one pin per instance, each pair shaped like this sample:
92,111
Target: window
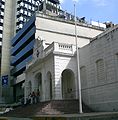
83,76
1,27
26,5
25,12
33,8
3,6
21,11
21,4
29,7
0,35
32,1
1,20
20,25
100,70
21,18
2,13
29,14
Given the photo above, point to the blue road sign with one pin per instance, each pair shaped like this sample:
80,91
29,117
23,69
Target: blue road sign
5,80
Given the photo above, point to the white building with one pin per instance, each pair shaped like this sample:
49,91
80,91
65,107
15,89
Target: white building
99,71
54,29
54,71
54,58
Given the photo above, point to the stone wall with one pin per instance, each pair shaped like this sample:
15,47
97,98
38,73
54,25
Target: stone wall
55,30
101,95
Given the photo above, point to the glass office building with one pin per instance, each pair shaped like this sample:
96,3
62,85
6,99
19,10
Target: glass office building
21,52
22,44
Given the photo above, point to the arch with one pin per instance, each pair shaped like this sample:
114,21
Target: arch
49,86
38,83
68,84
29,87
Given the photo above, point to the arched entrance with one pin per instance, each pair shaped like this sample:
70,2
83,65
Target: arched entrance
49,86
38,83
29,87
68,84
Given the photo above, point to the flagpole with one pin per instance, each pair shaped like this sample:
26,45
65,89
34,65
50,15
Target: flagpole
78,65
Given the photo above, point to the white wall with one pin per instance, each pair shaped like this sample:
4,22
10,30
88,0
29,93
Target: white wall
63,32
54,62
101,95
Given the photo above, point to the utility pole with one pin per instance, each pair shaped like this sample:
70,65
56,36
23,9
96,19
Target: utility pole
78,63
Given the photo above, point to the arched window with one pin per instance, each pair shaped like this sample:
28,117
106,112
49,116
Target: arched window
100,70
83,76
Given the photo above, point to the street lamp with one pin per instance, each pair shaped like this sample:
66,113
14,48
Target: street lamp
78,63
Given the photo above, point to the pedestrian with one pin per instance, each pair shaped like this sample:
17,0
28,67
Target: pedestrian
22,101
29,98
33,97
37,96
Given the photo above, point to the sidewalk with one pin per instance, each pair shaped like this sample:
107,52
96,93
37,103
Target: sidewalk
85,115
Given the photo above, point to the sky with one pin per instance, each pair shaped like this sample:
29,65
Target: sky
93,10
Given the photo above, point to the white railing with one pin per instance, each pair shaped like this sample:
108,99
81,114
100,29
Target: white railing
65,48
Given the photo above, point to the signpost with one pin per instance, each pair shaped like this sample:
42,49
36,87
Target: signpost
5,80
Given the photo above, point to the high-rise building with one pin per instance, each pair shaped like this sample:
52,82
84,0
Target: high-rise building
47,28
26,8
2,6
21,52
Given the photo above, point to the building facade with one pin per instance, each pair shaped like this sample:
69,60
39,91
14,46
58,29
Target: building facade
99,71
53,71
21,52
43,27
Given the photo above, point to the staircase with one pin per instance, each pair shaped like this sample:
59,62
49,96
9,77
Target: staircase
53,107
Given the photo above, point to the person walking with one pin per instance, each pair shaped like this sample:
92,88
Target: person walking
33,97
37,96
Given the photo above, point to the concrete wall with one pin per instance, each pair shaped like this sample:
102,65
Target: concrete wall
55,61
62,31
101,95
43,68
